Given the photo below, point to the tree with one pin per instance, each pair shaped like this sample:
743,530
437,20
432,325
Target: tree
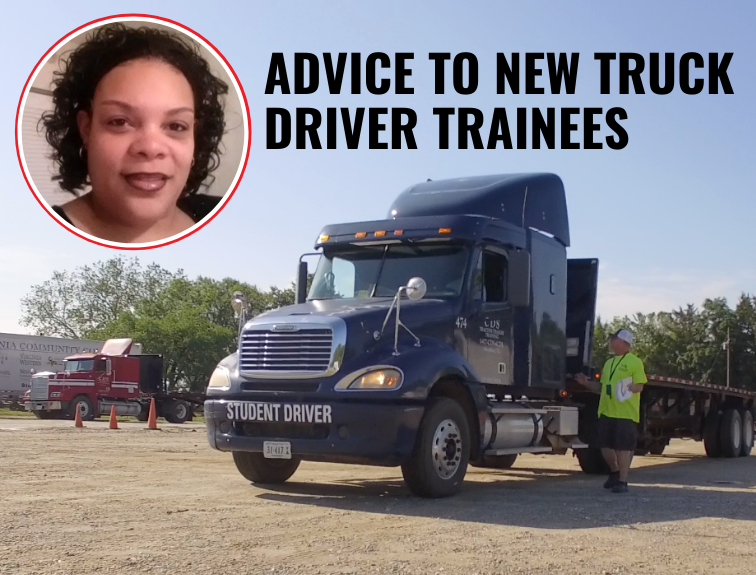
75,304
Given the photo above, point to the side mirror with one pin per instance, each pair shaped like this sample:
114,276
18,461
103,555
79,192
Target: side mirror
301,290
416,288
518,279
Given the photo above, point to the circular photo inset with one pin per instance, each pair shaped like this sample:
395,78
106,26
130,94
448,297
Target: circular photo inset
133,132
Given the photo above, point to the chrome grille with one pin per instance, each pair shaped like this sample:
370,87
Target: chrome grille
39,388
306,350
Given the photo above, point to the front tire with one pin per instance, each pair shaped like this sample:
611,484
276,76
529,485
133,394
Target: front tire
257,469
85,407
442,450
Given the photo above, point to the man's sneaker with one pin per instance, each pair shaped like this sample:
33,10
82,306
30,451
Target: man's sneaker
611,480
620,487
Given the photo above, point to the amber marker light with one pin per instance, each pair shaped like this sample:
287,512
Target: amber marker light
360,235
380,234
444,230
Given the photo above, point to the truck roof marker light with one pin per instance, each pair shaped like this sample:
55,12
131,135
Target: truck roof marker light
324,238
360,235
444,230
398,232
380,233
563,393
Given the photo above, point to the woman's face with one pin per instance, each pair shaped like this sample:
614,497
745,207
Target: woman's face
139,138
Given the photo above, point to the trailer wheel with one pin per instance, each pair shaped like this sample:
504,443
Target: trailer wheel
747,442
176,411
442,449
731,433
711,434
84,405
257,469
592,462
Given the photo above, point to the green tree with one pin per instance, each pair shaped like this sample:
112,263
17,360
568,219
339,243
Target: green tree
75,304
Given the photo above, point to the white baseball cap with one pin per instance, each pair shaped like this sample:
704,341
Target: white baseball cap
624,335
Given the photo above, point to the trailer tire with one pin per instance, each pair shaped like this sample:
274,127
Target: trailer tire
441,453
746,416
711,441
176,411
731,433
257,469
592,462
84,405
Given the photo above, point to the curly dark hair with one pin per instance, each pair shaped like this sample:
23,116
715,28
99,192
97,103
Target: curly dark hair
106,48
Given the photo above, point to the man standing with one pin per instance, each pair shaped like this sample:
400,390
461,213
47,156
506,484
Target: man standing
621,383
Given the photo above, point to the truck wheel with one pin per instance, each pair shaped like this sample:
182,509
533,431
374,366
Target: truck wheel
747,442
439,459
711,434
176,411
499,461
144,413
731,433
255,468
657,448
84,405
592,462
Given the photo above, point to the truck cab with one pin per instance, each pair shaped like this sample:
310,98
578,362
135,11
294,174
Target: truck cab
439,336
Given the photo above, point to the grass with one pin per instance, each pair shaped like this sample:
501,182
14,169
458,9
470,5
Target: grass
5,412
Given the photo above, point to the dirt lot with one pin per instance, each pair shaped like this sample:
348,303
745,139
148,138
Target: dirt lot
136,501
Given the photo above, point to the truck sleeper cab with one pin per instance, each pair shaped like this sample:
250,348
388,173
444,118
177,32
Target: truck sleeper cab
438,337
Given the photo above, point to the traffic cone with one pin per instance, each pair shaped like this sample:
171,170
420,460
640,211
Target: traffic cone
77,418
152,418
113,422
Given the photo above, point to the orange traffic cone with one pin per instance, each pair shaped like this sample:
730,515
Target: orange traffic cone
113,422
152,418
77,418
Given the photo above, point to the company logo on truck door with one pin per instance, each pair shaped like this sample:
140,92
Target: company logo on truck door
290,413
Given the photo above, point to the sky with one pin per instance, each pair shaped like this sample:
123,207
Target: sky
670,216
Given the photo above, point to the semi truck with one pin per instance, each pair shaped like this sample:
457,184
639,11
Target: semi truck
93,383
22,355
448,334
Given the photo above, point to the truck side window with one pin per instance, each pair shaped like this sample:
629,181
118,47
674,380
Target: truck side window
490,278
101,365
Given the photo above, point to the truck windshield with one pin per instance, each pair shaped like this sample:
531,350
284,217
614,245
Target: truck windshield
379,271
79,365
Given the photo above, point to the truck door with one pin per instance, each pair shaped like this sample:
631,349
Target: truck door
582,285
489,324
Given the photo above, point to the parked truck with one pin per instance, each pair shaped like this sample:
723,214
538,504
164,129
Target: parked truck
448,334
92,383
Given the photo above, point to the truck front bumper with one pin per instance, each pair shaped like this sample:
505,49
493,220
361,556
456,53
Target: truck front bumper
369,433
43,405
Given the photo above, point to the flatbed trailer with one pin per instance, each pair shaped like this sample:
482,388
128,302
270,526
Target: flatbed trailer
675,408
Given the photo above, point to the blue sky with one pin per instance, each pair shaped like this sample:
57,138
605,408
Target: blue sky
670,216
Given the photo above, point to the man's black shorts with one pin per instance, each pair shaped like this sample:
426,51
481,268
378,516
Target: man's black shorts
617,434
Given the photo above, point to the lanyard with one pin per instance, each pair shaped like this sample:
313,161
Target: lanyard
615,366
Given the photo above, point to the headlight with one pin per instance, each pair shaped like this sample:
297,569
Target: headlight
386,378
220,378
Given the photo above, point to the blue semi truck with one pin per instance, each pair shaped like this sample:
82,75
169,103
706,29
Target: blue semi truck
446,335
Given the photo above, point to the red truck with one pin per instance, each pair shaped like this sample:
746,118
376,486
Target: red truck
94,382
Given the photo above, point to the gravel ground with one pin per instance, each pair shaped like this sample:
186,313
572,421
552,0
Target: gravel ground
92,500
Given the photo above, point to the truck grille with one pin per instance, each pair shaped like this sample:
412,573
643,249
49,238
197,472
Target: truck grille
39,388
307,350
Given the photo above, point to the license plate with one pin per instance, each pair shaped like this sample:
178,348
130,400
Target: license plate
277,450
